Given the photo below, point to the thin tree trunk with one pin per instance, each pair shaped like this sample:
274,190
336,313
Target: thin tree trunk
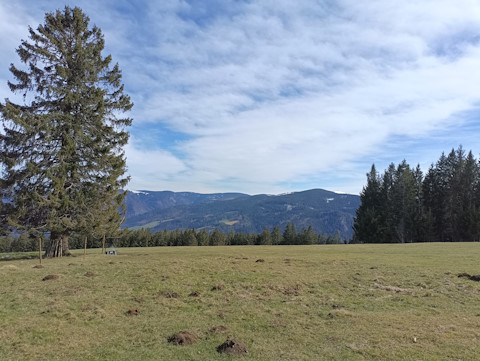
40,249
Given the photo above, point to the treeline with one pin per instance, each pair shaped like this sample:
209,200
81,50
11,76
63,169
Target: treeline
403,205
188,237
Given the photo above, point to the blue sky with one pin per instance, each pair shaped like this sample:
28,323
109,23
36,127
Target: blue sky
279,96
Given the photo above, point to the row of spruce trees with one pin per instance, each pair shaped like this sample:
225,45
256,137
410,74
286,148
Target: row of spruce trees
404,205
191,237
187,237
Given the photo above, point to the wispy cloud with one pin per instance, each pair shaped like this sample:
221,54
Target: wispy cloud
273,96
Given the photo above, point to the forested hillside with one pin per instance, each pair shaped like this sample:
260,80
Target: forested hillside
404,205
327,212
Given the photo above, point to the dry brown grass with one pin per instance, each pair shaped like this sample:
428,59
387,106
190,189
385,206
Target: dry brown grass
355,302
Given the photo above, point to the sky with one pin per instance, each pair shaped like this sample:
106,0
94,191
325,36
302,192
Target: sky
275,96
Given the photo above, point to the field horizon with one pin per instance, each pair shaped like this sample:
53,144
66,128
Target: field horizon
322,302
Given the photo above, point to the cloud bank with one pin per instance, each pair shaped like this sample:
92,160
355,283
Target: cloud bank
274,96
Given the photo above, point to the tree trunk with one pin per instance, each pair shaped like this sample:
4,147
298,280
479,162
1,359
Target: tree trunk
58,246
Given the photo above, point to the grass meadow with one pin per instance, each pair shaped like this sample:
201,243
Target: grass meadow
338,302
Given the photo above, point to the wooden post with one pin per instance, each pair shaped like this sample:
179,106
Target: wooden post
85,248
40,249
103,244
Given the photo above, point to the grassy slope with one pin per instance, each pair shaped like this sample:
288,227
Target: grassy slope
355,302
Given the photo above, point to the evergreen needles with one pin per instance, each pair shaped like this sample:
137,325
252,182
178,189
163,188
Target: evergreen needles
62,158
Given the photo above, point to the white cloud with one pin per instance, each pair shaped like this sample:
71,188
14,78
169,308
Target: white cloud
274,93
149,168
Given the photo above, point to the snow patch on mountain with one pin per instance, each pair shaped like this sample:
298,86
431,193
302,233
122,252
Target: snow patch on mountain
138,192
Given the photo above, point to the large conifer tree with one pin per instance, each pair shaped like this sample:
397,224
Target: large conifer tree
62,158
370,216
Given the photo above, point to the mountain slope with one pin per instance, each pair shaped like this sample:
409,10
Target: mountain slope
325,211
141,202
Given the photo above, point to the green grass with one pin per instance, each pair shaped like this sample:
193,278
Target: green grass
228,222
355,302
18,255
145,226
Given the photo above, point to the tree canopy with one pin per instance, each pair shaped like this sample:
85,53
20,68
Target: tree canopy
403,205
63,166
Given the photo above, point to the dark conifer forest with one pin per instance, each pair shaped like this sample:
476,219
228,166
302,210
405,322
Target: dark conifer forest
404,205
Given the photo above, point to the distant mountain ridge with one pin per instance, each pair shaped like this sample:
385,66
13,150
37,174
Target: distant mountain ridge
325,211
140,202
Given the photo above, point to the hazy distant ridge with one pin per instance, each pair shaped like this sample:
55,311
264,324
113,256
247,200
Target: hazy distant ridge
325,211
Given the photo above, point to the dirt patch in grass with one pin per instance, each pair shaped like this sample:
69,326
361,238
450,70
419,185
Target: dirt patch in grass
233,347
50,277
182,338
260,260
218,287
218,329
38,266
292,290
90,274
133,312
475,278
166,294
194,294
170,294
